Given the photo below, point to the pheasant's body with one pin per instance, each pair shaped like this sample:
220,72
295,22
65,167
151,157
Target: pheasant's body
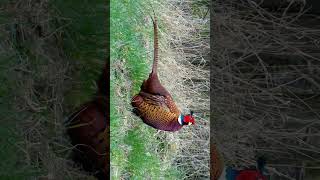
154,104
89,132
155,115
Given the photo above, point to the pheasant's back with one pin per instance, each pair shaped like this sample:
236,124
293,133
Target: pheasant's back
155,115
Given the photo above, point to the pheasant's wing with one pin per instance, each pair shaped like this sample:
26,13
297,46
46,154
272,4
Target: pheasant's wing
165,102
157,100
171,105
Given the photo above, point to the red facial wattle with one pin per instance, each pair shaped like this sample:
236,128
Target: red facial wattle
189,119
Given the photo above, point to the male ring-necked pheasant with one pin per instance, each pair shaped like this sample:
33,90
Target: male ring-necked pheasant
154,104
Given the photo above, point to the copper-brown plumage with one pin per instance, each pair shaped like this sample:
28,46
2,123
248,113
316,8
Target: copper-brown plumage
216,163
154,104
89,131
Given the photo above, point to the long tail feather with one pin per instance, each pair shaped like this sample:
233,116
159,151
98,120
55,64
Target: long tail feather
155,45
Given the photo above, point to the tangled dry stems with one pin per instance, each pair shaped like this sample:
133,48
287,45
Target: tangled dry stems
41,76
265,86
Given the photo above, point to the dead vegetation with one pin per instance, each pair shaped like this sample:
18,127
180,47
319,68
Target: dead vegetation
265,86
184,71
39,73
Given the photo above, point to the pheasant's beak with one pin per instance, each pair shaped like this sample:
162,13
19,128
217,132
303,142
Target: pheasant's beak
189,123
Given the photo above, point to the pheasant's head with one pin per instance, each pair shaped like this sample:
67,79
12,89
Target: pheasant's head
187,119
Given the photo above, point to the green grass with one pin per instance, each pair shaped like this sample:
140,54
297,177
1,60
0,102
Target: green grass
141,161
133,151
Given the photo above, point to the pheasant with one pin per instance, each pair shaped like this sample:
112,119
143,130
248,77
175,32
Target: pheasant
89,132
154,104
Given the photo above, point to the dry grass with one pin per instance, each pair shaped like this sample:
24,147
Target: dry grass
184,71
265,86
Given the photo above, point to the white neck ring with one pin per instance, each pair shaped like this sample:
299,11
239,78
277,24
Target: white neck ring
180,119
